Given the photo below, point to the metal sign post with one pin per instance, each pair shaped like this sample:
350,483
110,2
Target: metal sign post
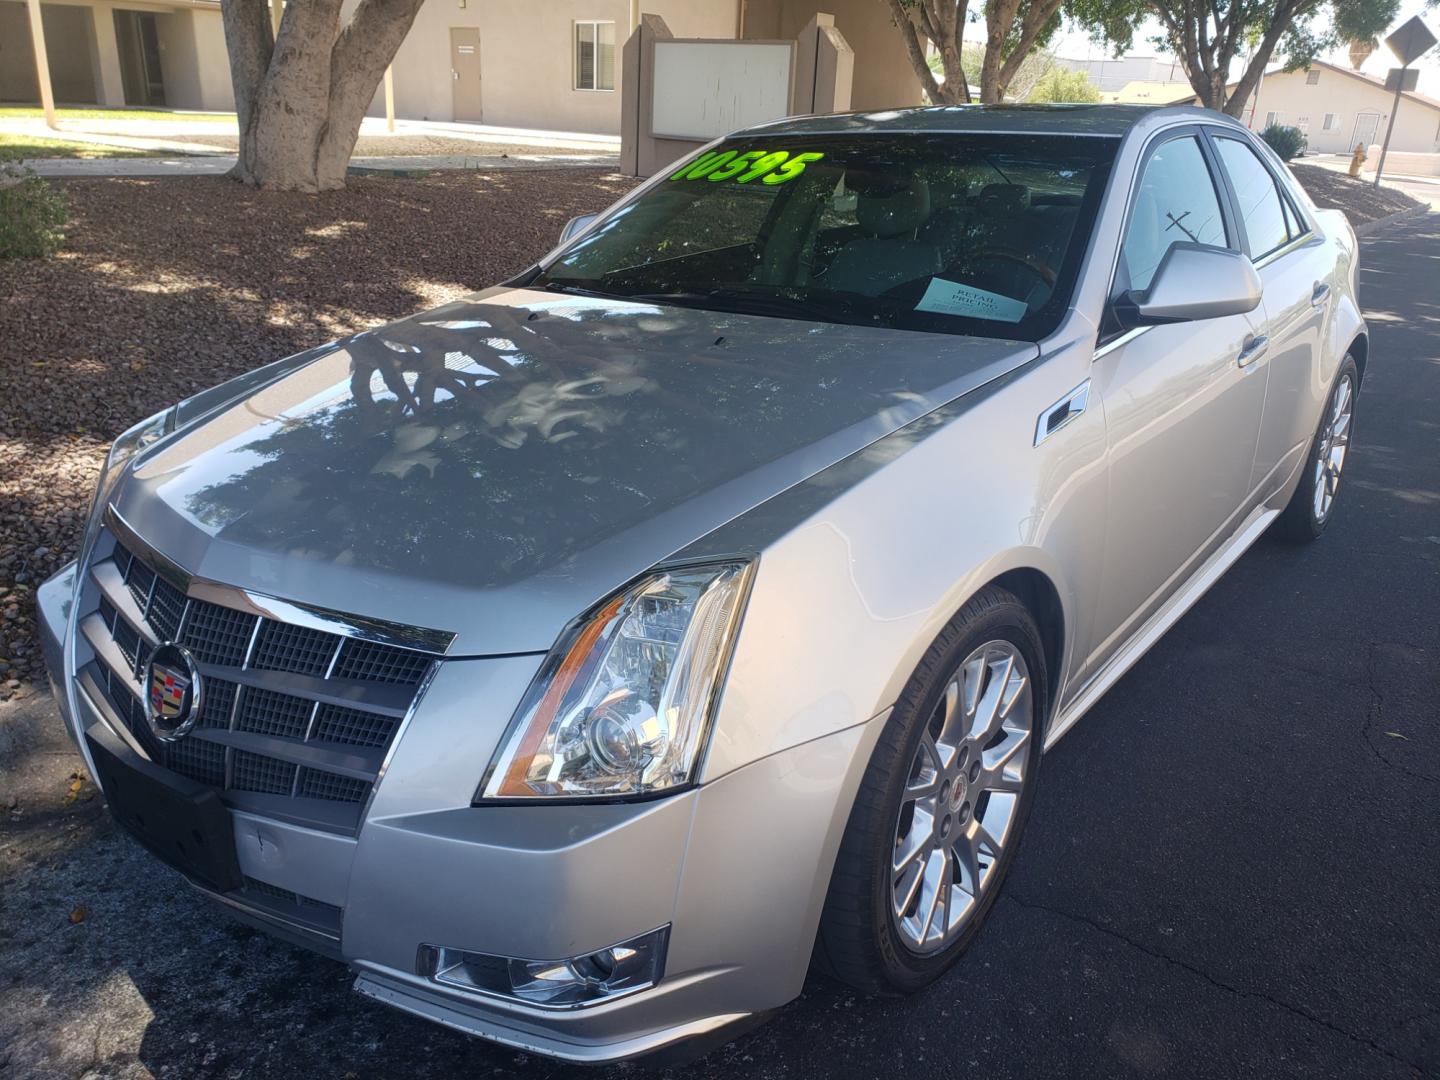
1408,44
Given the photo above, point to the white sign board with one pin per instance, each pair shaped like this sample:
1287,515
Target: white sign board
707,88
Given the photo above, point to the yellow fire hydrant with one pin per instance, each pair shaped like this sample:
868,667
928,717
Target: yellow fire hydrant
1357,159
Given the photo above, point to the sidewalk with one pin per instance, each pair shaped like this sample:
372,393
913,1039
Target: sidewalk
1424,188
214,164
210,135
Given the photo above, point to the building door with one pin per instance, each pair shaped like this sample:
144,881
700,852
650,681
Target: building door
1367,124
465,72
137,39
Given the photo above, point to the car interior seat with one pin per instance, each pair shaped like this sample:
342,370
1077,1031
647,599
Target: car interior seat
889,210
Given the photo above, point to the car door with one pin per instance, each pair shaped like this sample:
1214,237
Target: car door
1289,257
1182,402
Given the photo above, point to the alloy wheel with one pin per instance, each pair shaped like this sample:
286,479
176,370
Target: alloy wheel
962,797
1334,442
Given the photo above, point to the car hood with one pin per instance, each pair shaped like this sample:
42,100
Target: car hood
495,466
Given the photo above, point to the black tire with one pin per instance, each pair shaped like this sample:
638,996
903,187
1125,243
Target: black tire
1298,523
858,942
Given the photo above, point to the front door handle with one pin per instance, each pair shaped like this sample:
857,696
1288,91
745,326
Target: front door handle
1253,350
1062,412
1320,294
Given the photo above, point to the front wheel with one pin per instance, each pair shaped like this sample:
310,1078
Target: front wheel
1313,504
940,810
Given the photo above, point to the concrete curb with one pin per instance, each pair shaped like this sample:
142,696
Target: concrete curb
1379,223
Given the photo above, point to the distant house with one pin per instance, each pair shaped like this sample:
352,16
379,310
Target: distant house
511,63
1113,74
1144,93
1339,109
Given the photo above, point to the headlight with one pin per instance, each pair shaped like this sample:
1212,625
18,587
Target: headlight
622,704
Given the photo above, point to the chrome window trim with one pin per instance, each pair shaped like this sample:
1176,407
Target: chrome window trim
1285,249
1115,343
417,638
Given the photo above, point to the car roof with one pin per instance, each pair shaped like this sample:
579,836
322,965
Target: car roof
1106,120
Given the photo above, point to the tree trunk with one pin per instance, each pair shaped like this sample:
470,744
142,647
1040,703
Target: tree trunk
1250,79
919,21
999,15
301,95
1206,60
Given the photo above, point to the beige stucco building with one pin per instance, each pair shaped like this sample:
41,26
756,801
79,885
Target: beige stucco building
509,63
1338,109
168,53
516,63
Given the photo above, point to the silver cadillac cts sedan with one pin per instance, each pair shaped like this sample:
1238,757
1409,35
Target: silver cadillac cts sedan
584,660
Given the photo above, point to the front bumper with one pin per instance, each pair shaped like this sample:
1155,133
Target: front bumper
737,868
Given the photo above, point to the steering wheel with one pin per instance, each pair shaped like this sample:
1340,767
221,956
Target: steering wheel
1040,269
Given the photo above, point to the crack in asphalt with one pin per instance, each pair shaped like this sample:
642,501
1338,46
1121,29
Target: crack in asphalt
1295,1010
1377,706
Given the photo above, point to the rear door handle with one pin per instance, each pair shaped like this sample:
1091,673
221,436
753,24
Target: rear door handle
1320,294
1062,412
1253,350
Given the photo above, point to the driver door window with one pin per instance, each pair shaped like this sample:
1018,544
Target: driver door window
1176,201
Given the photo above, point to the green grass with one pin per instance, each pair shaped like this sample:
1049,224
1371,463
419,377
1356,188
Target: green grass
25,146
32,112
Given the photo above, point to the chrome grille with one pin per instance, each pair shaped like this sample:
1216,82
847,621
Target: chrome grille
295,648
380,663
335,723
295,721
269,713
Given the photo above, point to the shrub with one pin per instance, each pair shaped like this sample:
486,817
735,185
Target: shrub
1062,85
31,214
1288,142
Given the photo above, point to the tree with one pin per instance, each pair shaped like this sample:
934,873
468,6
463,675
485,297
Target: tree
300,94
1029,74
1062,84
1013,30
1208,35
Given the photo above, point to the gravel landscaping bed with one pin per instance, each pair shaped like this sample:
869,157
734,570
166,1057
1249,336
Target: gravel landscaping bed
169,285
1361,200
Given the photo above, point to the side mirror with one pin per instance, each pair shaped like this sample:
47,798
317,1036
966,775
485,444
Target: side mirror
1193,281
574,225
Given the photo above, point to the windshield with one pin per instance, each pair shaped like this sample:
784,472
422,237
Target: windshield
967,234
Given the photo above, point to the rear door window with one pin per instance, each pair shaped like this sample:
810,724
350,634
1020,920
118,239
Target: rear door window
1259,199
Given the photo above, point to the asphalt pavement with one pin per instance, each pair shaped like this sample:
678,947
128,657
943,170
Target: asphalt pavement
1233,866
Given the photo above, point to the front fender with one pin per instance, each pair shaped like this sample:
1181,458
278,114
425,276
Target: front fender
863,565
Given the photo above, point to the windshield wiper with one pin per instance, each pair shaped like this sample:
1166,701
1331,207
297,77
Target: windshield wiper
554,285
754,303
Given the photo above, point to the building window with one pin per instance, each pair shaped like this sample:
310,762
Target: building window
1303,123
1271,119
1311,78
594,56
1331,123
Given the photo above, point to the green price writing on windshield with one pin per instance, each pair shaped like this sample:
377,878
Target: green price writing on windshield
769,167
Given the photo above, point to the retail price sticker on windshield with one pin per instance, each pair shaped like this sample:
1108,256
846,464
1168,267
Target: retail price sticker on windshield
951,298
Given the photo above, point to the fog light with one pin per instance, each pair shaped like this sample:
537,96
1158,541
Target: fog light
553,984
